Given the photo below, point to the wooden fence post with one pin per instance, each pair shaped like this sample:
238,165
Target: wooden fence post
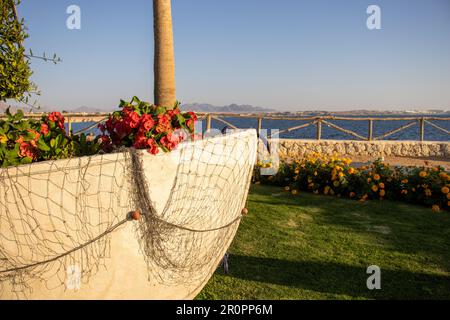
422,129
370,138
319,129
69,124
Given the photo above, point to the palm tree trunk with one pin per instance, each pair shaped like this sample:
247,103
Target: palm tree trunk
164,64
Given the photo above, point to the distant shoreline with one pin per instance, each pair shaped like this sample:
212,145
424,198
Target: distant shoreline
247,109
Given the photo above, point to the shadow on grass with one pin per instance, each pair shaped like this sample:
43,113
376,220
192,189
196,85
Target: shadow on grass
405,228
339,279
313,246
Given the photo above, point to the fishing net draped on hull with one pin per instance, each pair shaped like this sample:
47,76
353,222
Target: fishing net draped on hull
58,217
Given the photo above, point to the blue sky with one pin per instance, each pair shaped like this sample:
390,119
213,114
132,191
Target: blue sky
283,54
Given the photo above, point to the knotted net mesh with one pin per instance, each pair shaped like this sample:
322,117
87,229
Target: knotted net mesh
58,217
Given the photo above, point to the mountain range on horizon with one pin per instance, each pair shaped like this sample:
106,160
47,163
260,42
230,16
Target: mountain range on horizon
232,108
197,107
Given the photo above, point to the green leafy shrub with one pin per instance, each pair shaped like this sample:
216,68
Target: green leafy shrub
23,141
15,69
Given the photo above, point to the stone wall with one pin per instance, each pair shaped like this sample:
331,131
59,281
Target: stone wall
296,148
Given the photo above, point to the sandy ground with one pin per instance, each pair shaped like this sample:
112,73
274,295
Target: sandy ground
405,161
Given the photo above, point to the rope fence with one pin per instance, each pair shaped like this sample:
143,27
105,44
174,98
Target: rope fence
318,121
326,120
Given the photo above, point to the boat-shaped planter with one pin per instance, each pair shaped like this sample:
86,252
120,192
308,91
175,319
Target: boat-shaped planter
125,225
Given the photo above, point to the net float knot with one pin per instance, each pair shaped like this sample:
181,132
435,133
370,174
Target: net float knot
134,215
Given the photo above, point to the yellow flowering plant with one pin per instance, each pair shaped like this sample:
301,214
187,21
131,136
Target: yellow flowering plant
336,176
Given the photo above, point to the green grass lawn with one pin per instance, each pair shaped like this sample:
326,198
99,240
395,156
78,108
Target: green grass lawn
319,247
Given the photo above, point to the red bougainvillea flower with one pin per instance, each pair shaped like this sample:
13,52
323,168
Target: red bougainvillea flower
20,140
127,109
105,143
131,119
27,150
140,141
44,129
37,135
57,118
173,113
153,147
147,122
193,115
164,125
61,125
122,129
170,141
105,139
110,124
190,123
102,127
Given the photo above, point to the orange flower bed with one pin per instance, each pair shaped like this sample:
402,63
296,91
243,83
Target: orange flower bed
336,176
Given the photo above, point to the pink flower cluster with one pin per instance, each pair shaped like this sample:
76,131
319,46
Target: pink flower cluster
150,131
57,118
29,148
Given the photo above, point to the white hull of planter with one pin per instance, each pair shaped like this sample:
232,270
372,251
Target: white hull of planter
57,220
